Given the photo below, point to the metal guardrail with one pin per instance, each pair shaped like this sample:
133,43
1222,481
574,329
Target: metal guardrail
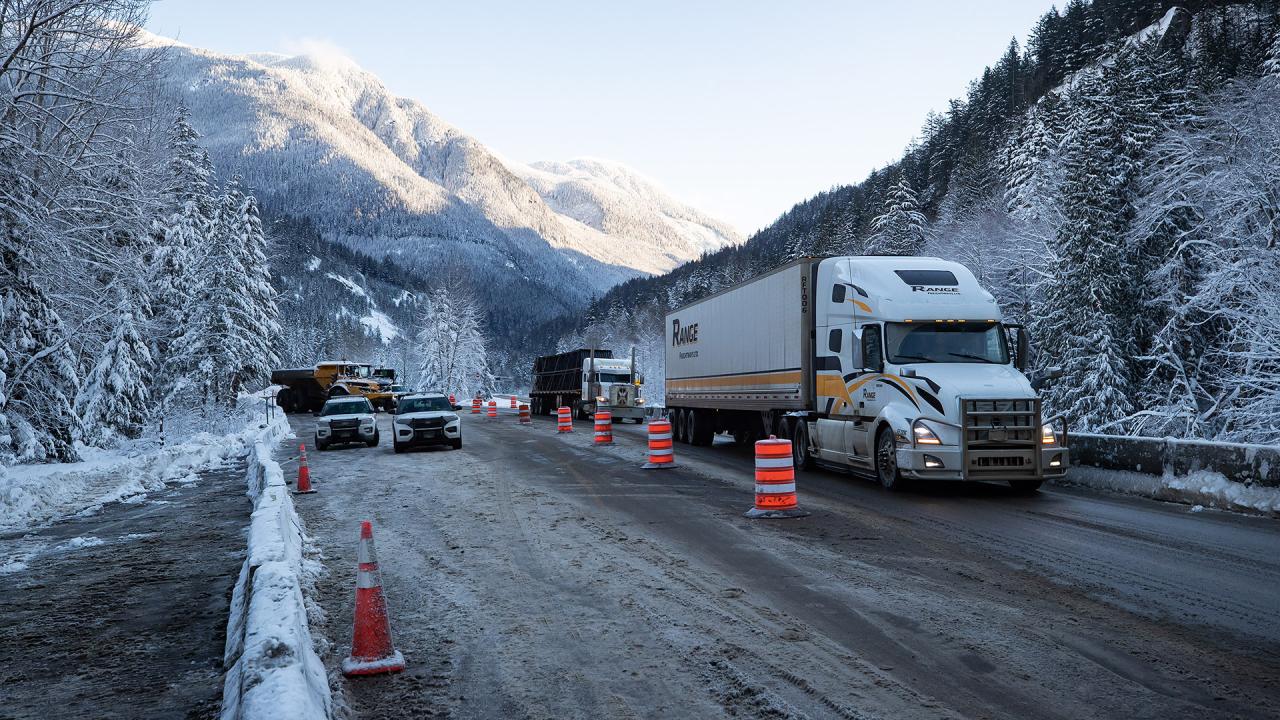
1252,464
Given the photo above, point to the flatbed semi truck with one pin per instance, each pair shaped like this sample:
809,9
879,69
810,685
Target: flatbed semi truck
586,380
892,367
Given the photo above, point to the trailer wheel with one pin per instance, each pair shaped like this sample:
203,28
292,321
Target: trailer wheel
701,431
887,460
284,399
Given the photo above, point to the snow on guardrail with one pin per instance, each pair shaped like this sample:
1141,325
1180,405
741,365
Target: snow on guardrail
1249,464
1234,476
273,670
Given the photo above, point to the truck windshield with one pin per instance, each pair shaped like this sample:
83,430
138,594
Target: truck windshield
612,377
962,342
360,371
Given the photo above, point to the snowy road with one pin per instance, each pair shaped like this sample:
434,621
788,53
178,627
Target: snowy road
530,575
123,613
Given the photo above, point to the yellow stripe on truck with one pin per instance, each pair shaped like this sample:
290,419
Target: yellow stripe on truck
753,380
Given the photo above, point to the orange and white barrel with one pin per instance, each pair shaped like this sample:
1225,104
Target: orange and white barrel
524,415
662,452
514,404
475,406
775,481
564,419
604,427
493,408
452,399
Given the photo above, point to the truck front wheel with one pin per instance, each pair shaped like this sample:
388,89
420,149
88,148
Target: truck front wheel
887,460
800,447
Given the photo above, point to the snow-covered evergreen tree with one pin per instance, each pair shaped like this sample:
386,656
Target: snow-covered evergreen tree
451,344
183,237
39,371
1078,324
115,401
256,317
901,229
1271,65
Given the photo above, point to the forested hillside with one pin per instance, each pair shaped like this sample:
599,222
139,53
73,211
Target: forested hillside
1116,183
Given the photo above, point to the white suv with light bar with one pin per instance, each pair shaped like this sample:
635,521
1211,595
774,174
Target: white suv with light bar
425,419
348,419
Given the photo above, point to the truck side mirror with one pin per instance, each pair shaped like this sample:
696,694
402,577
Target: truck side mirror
1023,349
1045,379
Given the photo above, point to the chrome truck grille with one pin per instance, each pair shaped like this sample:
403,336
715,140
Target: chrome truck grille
1001,439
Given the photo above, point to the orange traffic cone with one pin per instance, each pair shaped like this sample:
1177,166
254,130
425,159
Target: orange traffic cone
452,399
513,402
371,649
304,474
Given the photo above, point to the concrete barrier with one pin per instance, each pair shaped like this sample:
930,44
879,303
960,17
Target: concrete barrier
273,670
1249,464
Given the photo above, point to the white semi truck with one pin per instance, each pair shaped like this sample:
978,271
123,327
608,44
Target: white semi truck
893,367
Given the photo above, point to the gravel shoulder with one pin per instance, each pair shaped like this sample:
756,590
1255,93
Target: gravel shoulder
531,575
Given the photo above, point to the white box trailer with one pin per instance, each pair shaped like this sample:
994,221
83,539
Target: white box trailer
899,367
748,347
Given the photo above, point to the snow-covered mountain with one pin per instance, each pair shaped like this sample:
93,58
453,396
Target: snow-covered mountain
319,137
618,201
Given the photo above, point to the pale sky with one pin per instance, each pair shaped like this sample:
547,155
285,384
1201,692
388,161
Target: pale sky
739,108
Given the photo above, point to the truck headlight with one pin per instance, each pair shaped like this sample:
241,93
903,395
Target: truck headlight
600,399
924,435
1047,435
639,401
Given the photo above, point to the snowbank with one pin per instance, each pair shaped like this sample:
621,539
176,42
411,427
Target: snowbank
1200,488
33,495
273,670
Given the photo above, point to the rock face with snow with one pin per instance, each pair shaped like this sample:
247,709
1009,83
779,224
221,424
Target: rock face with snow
319,137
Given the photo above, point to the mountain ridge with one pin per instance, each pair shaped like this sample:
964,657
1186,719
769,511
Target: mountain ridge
320,137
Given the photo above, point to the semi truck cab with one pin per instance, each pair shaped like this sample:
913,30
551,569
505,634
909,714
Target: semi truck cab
917,376
613,385
586,379
894,367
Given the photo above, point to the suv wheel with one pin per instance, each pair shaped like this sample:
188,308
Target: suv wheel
456,444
